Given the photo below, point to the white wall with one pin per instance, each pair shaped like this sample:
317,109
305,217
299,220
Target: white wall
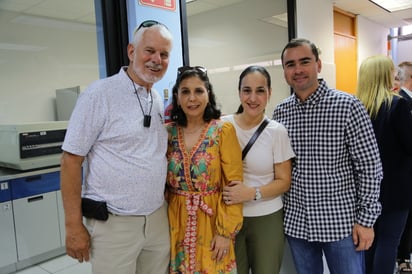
372,39
404,51
43,56
228,39
317,26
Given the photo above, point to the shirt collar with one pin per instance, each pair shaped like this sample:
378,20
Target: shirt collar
139,88
315,97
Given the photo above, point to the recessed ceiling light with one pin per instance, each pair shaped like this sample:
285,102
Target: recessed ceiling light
280,20
393,5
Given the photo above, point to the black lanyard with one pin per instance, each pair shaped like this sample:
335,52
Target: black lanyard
147,117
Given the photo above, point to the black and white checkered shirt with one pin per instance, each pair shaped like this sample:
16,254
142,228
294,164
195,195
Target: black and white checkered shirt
337,171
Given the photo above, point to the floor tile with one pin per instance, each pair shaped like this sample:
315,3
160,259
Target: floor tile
59,263
83,268
33,270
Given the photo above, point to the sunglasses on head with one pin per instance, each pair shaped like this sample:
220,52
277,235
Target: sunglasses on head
148,24
186,68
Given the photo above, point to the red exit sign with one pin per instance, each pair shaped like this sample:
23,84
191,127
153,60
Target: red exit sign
161,4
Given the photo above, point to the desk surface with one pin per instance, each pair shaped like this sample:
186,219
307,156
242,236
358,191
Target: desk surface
9,174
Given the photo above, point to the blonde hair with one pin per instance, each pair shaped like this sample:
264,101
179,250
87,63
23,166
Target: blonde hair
375,81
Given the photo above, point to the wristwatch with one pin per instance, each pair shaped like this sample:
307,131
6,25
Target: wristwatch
258,194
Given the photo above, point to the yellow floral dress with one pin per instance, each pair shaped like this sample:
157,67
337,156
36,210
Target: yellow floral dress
196,209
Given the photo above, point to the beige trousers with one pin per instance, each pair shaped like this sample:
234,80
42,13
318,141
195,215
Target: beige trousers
130,244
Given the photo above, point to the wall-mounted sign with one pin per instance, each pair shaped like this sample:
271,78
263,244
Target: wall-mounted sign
167,12
161,4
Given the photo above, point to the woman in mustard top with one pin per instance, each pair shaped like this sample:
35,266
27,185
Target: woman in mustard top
204,155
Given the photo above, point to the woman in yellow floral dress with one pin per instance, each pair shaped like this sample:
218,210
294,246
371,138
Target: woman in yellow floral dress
204,155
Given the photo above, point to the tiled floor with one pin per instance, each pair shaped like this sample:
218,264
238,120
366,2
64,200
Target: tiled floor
67,265
59,265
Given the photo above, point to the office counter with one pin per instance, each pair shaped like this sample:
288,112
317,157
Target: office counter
9,174
31,217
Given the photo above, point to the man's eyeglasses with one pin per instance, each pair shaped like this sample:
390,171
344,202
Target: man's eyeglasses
186,68
148,24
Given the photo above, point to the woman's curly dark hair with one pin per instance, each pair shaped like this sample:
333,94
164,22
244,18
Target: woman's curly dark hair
211,112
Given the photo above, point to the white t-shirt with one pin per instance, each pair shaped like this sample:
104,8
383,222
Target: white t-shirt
271,147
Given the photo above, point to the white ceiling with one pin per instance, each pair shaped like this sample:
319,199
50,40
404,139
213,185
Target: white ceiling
374,13
82,11
199,6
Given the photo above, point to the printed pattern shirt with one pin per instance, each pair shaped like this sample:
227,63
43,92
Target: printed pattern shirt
337,171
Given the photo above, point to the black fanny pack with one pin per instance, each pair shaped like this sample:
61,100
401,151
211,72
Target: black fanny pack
94,209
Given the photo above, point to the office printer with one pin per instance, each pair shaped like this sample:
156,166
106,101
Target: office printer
31,145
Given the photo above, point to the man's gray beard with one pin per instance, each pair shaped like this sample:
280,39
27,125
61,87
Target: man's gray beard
147,78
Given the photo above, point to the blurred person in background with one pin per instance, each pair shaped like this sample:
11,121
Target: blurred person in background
392,123
405,246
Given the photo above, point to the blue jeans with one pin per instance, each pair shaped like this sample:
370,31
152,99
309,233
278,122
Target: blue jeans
381,257
341,256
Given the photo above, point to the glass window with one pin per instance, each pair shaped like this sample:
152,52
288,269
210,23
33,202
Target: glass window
407,30
44,45
228,36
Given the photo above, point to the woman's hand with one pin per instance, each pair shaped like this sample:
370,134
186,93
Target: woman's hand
219,247
236,192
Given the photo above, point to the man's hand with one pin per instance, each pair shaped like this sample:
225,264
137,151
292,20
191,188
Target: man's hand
78,243
362,237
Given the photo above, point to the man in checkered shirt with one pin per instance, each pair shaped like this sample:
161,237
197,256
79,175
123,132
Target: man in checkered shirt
333,201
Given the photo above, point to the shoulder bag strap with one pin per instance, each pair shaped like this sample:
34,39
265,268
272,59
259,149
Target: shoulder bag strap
254,137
